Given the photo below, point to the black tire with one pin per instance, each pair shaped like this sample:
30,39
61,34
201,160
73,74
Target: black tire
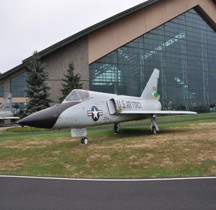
153,130
84,140
116,128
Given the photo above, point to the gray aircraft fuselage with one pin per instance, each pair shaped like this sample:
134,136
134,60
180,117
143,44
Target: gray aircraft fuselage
94,108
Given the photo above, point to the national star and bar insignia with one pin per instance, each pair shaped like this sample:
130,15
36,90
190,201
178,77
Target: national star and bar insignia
95,113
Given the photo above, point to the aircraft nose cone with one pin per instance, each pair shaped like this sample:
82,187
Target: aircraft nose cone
42,119
46,118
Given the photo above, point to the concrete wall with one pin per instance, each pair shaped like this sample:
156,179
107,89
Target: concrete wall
57,64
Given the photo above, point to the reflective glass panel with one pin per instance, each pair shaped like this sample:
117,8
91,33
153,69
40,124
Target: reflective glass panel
18,85
2,90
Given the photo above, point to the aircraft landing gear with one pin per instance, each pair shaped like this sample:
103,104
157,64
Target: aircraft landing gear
116,128
154,126
153,130
84,140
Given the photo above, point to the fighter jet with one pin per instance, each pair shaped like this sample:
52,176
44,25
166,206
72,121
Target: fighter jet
83,108
6,113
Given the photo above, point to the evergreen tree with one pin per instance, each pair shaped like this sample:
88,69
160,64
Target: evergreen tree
70,81
37,89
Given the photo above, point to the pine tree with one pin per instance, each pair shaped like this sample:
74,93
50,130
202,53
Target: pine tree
70,81
37,89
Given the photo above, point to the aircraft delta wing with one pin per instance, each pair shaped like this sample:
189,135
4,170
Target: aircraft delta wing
82,108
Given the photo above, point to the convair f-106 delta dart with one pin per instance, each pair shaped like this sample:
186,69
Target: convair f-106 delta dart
82,108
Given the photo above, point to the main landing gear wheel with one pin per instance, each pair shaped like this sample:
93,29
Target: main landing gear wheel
154,126
153,130
84,140
117,128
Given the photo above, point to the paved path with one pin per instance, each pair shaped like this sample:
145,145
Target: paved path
56,194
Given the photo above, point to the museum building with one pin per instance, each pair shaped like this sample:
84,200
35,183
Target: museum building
118,55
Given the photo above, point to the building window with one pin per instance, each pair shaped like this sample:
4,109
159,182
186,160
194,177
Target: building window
183,49
18,85
2,90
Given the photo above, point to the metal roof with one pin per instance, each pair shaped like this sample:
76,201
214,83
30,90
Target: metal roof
7,73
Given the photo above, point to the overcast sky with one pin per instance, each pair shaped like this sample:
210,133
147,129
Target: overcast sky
33,25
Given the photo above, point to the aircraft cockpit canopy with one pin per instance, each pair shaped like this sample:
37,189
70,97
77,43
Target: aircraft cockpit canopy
77,95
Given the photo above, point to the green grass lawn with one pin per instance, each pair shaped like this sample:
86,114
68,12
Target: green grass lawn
186,148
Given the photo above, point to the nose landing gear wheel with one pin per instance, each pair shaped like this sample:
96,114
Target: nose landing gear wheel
84,140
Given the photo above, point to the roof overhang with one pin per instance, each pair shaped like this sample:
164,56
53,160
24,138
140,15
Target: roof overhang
13,70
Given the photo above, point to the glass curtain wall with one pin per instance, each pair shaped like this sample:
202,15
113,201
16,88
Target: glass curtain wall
183,49
2,90
18,85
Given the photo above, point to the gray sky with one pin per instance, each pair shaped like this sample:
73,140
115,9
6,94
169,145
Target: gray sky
30,25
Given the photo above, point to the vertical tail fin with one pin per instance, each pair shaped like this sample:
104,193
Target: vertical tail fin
150,91
7,104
